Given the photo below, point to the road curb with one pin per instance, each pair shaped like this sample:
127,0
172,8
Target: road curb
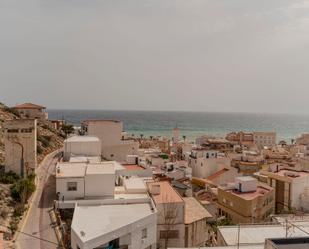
30,203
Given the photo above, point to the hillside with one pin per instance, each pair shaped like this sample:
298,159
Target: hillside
48,138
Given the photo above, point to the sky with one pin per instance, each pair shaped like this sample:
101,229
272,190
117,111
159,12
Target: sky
185,55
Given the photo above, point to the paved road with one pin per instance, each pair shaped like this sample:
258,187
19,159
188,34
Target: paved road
37,222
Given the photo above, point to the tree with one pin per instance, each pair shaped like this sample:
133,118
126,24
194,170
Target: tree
67,129
169,214
184,138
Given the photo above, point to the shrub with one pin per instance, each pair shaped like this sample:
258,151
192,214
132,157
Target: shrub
22,189
39,150
45,141
12,111
19,210
9,177
4,212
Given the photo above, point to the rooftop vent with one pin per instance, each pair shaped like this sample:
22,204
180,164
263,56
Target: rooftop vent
155,189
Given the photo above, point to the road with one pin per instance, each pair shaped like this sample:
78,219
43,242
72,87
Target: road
37,222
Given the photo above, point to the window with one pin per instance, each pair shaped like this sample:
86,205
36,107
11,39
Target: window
72,186
26,130
144,233
171,234
13,130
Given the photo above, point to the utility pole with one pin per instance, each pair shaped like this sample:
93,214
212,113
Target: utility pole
238,236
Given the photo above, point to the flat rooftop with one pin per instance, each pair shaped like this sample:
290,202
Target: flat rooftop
225,247
111,218
292,173
80,139
289,243
85,159
167,193
132,167
80,169
256,234
194,211
260,191
246,178
95,169
135,184
64,170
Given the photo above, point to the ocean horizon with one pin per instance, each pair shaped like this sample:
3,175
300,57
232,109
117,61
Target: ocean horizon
193,124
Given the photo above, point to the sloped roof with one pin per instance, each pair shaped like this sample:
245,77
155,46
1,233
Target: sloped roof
100,222
29,106
217,174
194,211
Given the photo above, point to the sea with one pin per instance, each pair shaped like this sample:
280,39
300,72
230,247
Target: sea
193,124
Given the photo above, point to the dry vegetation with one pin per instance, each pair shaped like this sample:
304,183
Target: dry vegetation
11,207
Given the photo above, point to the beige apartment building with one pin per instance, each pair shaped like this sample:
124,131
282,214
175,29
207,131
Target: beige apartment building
20,145
264,139
257,138
290,186
248,201
29,110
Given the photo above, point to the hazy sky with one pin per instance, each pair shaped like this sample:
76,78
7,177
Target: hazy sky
199,55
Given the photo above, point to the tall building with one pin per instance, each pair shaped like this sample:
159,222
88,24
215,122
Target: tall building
20,145
113,146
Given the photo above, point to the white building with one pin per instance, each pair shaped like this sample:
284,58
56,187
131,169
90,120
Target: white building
127,224
20,141
87,146
113,144
254,235
82,180
205,163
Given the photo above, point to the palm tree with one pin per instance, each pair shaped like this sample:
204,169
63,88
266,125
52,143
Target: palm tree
184,138
141,135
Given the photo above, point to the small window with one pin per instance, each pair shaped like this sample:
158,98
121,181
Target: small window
144,233
112,155
72,186
13,130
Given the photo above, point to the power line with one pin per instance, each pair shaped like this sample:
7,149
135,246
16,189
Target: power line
33,236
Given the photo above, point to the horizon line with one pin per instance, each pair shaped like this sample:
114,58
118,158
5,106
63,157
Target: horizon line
180,111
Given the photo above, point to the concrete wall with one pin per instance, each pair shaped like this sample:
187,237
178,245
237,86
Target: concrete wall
119,152
99,185
62,188
297,188
23,131
196,234
33,113
89,148
177,224
108,131
203,168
